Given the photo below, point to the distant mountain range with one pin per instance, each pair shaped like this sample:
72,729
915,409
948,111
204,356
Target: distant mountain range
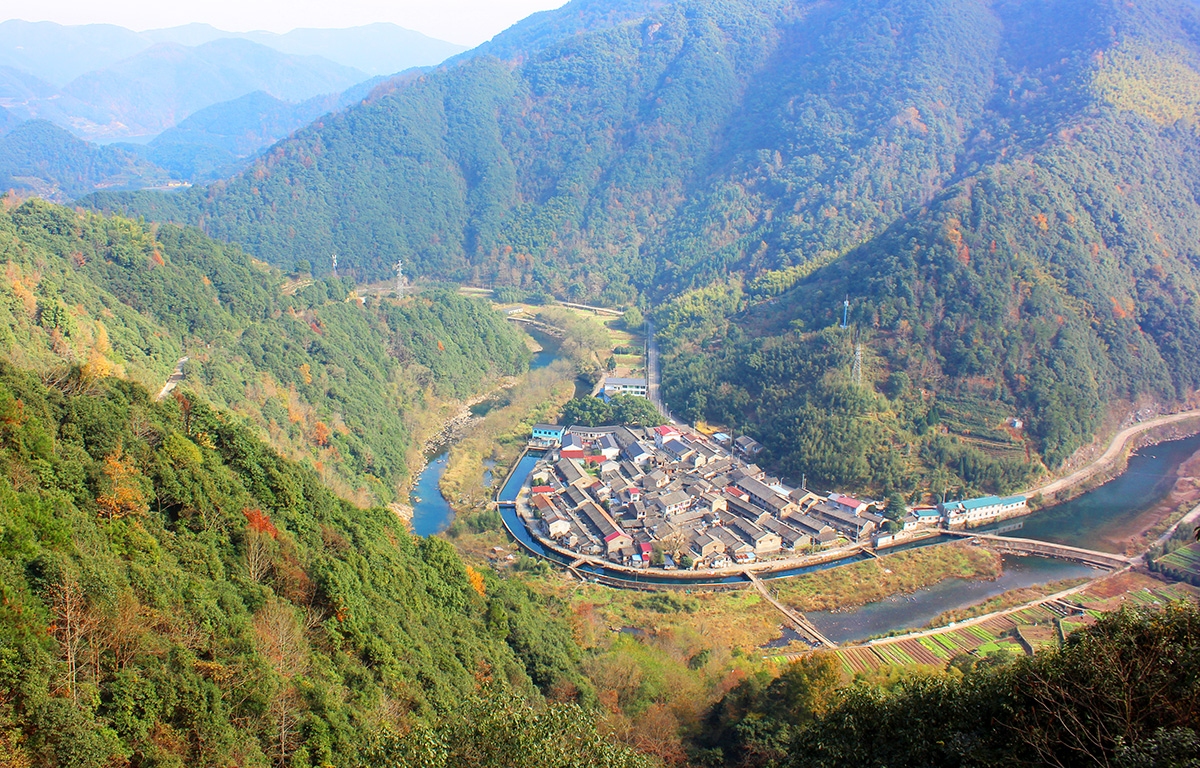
58,54
190,103
105,83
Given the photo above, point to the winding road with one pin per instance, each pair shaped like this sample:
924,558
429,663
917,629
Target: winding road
1109,457
173,380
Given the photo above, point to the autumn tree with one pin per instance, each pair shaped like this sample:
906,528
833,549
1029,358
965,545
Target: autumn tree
281,642
73,626
260,532
124,495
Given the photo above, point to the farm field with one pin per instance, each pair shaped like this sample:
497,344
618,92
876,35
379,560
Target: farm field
1183,563
1040,626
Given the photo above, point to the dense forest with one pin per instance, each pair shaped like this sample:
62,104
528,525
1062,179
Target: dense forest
1004,191
324,376
175,593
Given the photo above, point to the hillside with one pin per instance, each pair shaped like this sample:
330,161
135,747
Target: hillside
1005,190
217,140
174,593
39,158
329,380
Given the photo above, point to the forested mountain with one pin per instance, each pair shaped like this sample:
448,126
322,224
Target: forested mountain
1005,190
37,157
326,378
216,141
174,593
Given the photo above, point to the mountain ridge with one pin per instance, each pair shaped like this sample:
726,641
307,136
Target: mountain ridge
736,163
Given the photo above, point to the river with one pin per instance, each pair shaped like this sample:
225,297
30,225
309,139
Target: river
1105,518
917,609
1101,519
432,514
1098,519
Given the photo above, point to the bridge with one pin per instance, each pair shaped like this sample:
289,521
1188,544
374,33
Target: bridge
798,620
1015,546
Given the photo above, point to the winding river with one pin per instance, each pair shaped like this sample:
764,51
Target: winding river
1099,519
432,514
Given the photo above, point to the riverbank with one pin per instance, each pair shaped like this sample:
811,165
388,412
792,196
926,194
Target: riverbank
1005,601
869,581
1114,459
502,434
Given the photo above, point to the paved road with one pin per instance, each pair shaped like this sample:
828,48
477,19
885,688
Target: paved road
653,377
599,310
173,380
1110,455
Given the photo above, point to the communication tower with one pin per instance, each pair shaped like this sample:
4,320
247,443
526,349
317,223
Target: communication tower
845,311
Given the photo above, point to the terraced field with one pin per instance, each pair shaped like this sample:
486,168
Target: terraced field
1039,626
1182,563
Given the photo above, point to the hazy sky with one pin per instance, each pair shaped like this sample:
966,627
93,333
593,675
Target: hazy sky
468,22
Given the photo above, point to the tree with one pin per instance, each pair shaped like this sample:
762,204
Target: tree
633,319
124,495
73,627
635,411
587,411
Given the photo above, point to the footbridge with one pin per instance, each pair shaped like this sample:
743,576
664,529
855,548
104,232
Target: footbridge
1017,546
797,619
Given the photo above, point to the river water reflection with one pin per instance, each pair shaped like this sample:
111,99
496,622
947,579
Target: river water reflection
917,609
1103,519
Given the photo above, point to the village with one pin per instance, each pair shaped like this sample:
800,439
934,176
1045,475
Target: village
673,498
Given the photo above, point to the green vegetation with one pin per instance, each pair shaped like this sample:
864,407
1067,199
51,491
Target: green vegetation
1120,692
873,580
175,593
968,175
324,376
622,409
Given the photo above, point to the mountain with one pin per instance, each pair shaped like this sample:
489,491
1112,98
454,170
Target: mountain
1004,190
8,121
164,572
216,141
159,87
37,157
329,380
59,54
108,84
377,49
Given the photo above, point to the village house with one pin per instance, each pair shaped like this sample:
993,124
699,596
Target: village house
843,522
548,434
610,533
615,385
973,511
747,446
921,517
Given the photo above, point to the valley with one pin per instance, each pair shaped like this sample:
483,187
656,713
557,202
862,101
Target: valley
658,384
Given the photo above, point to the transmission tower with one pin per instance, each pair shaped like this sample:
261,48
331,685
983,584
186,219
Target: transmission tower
399,276
856,374
334,257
